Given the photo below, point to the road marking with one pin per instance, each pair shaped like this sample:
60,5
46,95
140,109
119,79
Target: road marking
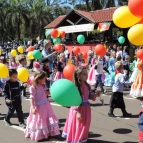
18,128
121,117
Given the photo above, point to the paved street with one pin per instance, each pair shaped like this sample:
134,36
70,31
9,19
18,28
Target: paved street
102,130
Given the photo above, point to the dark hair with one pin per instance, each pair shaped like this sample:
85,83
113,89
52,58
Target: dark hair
22,59
77,81
12,72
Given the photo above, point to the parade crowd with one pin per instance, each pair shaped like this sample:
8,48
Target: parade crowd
116,70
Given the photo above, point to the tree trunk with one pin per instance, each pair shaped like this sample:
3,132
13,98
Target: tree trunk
87,5
18,25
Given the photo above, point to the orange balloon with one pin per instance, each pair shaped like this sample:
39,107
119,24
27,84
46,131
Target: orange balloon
84,55
76,50
58,47
54,33
30,49
140,54
63,34
141,21
100,50
69,71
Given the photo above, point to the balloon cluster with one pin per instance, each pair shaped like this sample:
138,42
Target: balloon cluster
131,16
56,36
20,49
34,54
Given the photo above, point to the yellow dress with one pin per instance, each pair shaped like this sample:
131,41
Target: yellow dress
137,86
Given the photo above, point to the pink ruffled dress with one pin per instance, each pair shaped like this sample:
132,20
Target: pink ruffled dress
76,131
44,123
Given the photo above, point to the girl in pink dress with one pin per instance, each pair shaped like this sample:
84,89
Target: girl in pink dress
78,121
61,65
91,80
12,63
79,60
42,121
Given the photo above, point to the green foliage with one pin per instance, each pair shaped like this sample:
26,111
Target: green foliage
26,19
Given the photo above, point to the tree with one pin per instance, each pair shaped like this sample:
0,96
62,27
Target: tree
110,3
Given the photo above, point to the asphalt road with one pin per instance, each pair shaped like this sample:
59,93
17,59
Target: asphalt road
103,129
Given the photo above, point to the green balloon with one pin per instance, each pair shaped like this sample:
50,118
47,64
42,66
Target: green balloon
45,41
52,37
80,39
54,41
57,40
121,40
65,93
37,54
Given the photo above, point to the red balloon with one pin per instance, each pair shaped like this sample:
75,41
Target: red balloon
136,7
58,47
69,71
36,65
30,49
140,54
76,50
54,33
100,50
141,21
63,34
84,55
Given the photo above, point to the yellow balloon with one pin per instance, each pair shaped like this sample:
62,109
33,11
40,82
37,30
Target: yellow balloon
123,18
59,33
0,51
135,34
3,71
23,74
13,53
30,56
20,49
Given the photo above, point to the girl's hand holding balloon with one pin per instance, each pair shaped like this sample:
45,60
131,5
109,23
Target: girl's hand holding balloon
34,111
78,115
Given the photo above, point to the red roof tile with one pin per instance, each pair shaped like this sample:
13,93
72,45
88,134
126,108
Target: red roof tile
55,22
86,14
103,15
97,16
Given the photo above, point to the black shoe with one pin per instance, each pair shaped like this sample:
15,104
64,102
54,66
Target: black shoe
25,97
8,123
22,125
127,114
111,114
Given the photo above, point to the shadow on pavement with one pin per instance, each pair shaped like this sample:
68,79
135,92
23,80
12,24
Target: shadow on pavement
122,131
99,141
62,120
92,135
98,104
134,116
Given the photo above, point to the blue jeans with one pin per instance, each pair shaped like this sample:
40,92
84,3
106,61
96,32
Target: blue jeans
99,81
89,60
51,75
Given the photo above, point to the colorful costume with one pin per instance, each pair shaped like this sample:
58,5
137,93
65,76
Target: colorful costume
44,123
76,131
137,86
109,80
